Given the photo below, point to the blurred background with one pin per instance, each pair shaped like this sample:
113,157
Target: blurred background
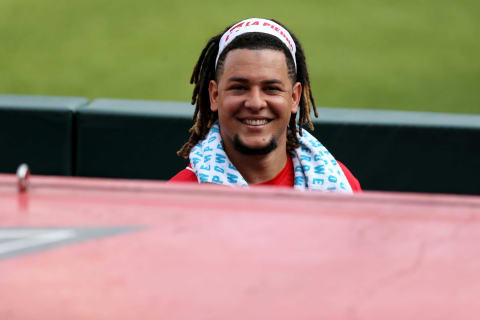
403,55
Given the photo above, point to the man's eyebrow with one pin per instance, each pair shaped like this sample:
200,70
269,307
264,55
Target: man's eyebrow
269,81
272,81
237,79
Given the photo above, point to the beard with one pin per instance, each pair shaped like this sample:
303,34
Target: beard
261,151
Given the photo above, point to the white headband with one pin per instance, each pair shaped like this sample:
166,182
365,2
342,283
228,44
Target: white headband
257,25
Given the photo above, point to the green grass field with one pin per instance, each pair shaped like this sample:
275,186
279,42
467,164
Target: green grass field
404,55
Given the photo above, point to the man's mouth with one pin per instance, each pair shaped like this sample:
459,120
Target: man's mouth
255,122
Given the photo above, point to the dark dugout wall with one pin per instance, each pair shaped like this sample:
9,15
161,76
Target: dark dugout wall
405,151
386,150
39,131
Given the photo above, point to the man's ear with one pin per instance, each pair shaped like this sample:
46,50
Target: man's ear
213,93
296,95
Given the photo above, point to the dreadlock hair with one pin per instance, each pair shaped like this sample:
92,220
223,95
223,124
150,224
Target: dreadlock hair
205,71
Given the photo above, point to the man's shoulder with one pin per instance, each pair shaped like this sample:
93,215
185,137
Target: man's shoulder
354,183
186,175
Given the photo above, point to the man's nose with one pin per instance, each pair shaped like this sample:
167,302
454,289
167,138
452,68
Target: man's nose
255,99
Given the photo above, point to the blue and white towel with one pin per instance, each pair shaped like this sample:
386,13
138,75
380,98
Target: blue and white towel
315,168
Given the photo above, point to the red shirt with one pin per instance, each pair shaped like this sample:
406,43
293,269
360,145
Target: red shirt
285,178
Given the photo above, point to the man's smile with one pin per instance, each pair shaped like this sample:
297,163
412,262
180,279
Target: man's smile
255,122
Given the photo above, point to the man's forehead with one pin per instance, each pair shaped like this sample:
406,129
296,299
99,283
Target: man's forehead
245,64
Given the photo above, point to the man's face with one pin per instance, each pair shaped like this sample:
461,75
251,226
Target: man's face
254,98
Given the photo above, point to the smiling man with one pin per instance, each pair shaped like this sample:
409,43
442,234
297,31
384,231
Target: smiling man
250,82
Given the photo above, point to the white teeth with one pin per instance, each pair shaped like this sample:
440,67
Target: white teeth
255,122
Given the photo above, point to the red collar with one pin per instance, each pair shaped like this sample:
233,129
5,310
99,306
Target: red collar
283,178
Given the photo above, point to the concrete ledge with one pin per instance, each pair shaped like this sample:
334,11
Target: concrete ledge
398,118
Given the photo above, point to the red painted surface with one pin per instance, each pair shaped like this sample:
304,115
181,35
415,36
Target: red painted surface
210,252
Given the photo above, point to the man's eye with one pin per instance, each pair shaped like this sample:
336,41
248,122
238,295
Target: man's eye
272,88
237,87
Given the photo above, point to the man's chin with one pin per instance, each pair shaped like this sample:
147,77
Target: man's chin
256,150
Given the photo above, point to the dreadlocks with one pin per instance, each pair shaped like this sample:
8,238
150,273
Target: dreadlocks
205,71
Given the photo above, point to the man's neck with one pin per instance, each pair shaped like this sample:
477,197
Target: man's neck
259,168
